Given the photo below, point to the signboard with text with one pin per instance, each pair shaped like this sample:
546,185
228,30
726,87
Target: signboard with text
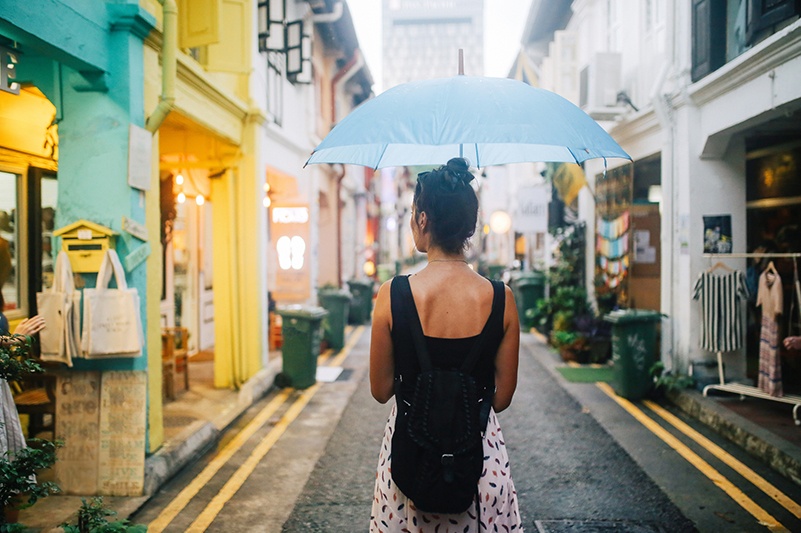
532,210
290,252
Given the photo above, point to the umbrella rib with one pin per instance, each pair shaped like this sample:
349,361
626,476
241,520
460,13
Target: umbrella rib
381,156
575,159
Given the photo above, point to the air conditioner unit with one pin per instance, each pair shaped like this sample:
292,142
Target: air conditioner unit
599,83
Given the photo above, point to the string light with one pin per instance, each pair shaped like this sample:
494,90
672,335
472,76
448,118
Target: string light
266,201
181,197
200,200
179,179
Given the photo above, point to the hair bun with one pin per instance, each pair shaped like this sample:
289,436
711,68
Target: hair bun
458,167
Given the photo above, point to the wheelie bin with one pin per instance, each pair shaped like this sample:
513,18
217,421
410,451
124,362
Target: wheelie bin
361,305
301,329
337,303
527,287
634,350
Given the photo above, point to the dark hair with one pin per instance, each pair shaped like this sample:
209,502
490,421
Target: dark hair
450,204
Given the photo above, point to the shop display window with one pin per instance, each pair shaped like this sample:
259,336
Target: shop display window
9,242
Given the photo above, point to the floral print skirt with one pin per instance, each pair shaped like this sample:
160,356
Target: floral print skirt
394,513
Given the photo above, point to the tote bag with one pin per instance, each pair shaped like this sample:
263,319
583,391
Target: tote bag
111,323
60,307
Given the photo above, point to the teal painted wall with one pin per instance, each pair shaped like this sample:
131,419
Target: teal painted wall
87,57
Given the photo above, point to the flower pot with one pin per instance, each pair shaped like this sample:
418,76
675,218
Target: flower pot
11,511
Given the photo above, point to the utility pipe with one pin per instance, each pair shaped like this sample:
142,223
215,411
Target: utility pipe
350,69
339,177
169,51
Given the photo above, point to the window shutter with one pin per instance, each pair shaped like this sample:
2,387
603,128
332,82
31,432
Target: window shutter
765,13
708,37
198,23
232,52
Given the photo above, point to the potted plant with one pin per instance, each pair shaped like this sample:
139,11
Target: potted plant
598,333
572,345
19,487
92,518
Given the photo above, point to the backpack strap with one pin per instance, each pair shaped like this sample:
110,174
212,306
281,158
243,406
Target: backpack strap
409,308
498,303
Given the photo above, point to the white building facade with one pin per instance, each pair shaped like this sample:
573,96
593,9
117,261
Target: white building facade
704,96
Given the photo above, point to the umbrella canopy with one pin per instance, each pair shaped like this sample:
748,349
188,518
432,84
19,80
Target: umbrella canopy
489,121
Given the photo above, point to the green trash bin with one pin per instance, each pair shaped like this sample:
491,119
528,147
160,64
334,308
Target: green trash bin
361,306
337,303
385,272
634,350
527,287
301,327
495,271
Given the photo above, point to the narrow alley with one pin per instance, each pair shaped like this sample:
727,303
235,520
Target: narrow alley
583,460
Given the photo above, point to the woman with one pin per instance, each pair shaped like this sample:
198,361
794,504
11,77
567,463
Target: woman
11,436
453,303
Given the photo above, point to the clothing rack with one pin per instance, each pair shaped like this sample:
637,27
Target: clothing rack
749,390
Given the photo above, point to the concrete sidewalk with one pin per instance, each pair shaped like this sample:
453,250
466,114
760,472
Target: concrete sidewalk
198,419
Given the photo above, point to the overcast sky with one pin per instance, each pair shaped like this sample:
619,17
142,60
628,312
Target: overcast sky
503,27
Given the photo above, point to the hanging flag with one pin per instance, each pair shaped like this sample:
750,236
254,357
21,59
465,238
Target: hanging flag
568,180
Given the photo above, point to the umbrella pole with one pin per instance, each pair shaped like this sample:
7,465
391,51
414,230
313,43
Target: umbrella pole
461,61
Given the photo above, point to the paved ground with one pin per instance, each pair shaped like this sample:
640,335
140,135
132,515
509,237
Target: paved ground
566,467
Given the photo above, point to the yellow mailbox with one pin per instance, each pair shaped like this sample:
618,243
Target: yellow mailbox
85,243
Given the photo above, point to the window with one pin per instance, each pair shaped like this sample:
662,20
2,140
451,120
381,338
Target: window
9,242
724,29
276,63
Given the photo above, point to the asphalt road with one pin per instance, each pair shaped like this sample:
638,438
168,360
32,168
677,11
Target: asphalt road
566,468
581,463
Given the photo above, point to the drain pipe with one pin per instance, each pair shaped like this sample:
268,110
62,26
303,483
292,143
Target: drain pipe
169,48
350,69
339,177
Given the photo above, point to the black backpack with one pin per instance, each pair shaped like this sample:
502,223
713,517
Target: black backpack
437,452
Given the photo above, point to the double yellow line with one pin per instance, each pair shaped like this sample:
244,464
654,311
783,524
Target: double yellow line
235,482
762,516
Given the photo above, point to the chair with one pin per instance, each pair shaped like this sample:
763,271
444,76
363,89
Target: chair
167,366
275,340
36,397
175,357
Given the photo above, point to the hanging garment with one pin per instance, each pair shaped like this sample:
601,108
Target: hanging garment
721,322
770,297
11,436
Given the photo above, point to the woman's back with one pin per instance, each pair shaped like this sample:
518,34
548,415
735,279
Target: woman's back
453,302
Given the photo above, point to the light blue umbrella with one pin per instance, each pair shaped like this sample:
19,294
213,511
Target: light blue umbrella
489,121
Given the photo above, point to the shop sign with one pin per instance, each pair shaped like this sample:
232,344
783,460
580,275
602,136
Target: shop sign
532,210
290,258
8,70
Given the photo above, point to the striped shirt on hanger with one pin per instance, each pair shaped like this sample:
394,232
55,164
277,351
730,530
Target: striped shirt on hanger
721,297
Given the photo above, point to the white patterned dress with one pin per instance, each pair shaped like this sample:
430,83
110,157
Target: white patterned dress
393,512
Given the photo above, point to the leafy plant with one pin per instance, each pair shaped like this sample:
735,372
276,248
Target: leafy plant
563,339
667,381
18,471
92,518
14,361
19,487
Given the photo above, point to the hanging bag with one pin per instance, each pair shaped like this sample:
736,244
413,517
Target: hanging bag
60,307
111,323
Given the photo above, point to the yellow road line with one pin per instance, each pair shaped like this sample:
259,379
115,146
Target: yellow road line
204,520
724,456
235,482
716,477
185,496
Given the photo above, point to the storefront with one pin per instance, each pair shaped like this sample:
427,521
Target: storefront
70,103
